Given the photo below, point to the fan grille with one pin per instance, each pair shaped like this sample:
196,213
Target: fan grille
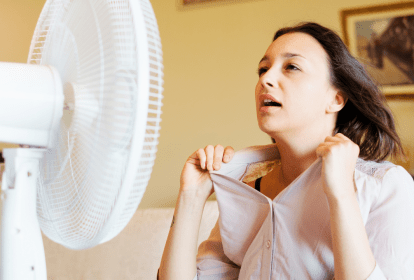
93,46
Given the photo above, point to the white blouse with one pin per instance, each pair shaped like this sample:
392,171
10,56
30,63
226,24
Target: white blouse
290,237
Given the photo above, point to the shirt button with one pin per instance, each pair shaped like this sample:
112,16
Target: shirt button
268,244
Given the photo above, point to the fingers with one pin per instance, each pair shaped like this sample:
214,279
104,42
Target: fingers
228,154
330,142
218,157
323,149
341,136
210,157
337,138
202,157
336,144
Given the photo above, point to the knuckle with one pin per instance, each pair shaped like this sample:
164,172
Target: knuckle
209,151
229,151
229,154
219,147
201,154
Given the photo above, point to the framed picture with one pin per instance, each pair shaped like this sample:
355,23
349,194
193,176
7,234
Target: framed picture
191,2
382,38
185,4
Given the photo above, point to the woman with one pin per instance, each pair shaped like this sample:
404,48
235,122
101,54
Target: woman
323,111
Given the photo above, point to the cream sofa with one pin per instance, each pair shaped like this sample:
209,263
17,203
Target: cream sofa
134,254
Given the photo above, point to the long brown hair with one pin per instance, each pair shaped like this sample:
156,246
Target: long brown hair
365,118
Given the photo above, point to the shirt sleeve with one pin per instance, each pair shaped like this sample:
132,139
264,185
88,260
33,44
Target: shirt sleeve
390,227
212,263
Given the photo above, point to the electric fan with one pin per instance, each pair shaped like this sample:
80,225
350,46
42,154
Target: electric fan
87,109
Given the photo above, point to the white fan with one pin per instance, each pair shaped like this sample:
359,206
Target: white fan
87,108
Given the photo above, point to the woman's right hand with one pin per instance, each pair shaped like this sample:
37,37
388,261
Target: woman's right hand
195,177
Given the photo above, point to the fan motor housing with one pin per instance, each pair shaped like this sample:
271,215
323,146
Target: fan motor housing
31,103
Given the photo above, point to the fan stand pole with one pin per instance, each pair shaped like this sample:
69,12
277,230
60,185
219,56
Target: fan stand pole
22,252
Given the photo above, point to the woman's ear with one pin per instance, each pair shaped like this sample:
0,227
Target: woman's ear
337,103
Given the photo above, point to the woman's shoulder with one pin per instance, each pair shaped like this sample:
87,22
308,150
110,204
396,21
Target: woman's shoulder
374,169
382,185
385,177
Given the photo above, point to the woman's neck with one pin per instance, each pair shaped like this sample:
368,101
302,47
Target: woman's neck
297,154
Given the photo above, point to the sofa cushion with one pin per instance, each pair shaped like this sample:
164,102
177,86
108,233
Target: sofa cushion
134,254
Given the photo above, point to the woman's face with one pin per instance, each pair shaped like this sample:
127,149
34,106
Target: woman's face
294,72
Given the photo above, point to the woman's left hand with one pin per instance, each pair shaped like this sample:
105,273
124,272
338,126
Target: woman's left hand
339,156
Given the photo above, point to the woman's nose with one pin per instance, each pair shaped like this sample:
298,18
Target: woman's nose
269,79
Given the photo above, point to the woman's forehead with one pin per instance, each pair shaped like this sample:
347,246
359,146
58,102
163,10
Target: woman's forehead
297,44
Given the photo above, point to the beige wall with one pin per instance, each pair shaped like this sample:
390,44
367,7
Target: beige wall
210,58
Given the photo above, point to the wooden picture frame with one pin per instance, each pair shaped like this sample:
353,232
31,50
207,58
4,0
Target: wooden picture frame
382,38
205,2
190,4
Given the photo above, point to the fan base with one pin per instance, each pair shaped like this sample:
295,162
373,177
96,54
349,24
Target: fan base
22,253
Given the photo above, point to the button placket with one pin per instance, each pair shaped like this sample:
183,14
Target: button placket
267,246
267,257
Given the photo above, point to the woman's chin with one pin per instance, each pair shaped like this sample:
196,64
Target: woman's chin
270,129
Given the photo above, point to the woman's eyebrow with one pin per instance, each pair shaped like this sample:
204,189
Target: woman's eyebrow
285,55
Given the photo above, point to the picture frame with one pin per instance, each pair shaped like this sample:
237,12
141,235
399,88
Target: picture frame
382,38
194,4
203,2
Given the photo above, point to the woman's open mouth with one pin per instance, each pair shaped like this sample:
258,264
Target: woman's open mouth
270,106
269,102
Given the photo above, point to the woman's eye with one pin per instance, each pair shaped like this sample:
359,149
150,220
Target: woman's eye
260,71
291,67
